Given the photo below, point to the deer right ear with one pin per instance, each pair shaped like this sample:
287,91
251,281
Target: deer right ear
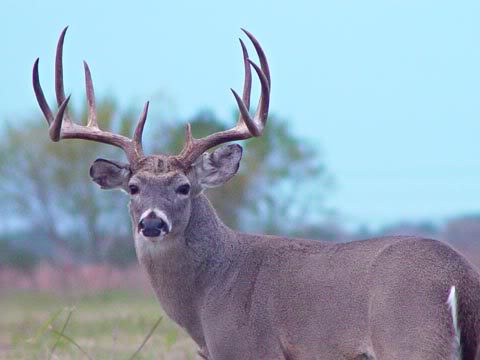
110,174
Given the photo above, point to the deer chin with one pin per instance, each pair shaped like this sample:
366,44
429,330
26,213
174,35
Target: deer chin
150,245
153,239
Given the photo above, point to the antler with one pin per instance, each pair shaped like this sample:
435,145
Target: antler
247,126
61,125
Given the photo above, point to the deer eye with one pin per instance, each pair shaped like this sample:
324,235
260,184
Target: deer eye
183,189
133,189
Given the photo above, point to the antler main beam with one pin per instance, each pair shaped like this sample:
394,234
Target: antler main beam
62,127
247,126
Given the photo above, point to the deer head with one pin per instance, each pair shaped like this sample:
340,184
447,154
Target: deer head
161,186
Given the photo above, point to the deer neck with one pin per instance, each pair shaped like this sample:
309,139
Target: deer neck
183,271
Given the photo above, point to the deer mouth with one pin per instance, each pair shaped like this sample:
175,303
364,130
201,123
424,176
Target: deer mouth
153,231
153,236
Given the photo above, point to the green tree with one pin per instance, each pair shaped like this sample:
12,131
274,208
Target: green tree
46,187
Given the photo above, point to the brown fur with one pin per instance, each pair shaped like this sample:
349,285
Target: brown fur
238,294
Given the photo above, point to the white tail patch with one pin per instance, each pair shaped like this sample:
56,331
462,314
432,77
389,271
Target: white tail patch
453,306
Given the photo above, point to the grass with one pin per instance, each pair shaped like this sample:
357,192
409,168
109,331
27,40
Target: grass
110,325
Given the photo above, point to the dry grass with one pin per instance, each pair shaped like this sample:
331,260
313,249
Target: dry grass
111,325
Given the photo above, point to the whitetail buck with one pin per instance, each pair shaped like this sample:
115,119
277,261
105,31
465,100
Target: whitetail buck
244,296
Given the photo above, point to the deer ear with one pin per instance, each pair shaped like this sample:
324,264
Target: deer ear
216,168
110,174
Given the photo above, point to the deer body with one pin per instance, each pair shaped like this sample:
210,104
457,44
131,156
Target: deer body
250,297
243,296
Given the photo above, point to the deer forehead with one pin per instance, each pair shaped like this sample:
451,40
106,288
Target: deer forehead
157,165
159,178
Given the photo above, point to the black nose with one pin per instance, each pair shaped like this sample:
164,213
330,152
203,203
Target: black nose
152,227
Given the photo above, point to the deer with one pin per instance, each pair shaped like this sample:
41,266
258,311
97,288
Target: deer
249,296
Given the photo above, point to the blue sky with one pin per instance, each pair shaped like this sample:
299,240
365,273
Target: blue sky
389,89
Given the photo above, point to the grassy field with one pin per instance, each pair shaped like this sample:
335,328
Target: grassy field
111,325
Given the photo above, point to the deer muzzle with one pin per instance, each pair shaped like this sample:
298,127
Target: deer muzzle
154,223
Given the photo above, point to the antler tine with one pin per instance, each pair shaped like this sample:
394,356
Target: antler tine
59,88
263,104
261,55
92,108
247,82
137,137
55,130
246,126
60,129
39,94
257,124
264,74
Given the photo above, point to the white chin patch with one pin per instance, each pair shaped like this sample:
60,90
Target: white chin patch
150,246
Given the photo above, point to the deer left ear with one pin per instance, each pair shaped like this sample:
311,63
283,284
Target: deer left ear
216,168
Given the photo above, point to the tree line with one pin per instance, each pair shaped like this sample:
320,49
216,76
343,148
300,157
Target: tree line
52,211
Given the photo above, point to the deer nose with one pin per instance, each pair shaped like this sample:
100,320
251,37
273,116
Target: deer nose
153,226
